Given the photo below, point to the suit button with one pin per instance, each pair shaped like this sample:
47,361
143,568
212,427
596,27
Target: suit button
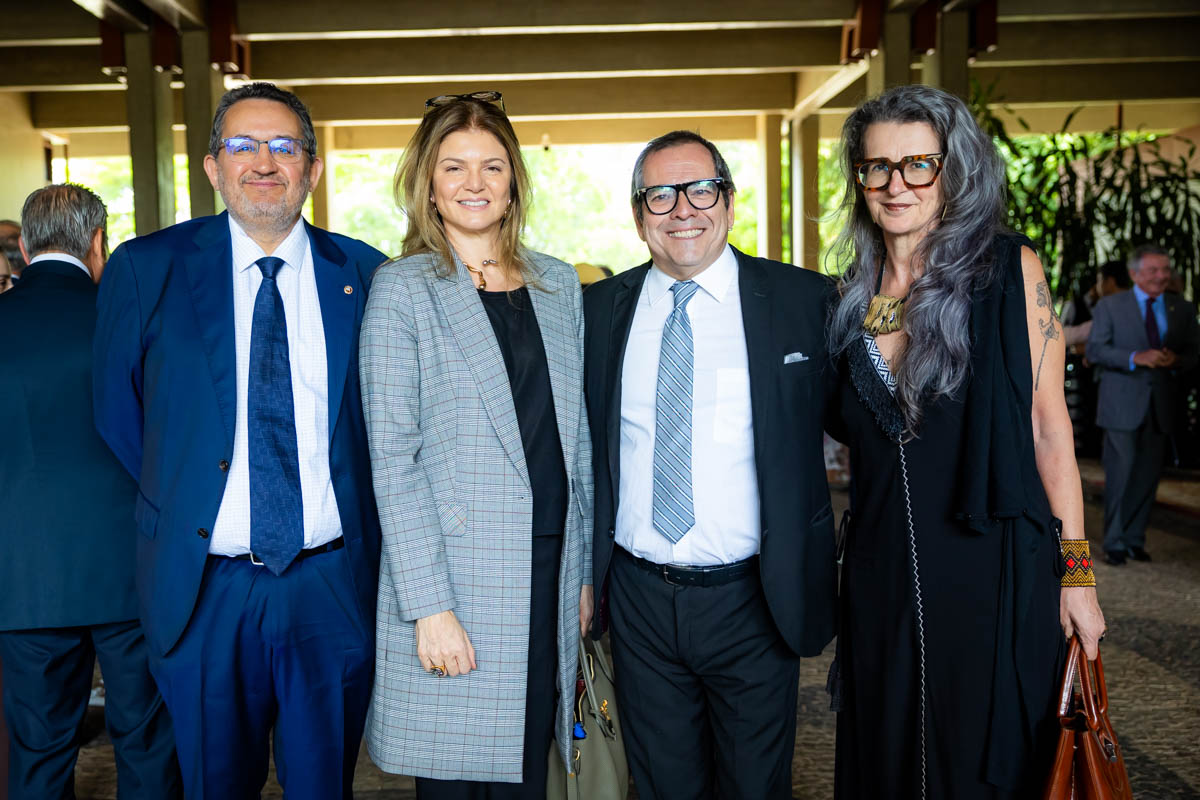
202,533
612,534
223,465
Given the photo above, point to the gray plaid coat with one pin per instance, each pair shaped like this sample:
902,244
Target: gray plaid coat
456,511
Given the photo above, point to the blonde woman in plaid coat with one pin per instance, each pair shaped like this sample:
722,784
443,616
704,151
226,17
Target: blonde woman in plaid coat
471,358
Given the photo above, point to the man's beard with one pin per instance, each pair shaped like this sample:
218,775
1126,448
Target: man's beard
276,216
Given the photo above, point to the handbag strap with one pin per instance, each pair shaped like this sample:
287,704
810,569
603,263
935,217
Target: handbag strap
586,660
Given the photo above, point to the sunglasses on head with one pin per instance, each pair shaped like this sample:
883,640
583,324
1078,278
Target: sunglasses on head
495,98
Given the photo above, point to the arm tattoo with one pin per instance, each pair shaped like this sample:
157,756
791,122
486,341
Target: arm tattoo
1049,327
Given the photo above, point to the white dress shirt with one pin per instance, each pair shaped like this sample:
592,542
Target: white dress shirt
724,482
70,259
310,392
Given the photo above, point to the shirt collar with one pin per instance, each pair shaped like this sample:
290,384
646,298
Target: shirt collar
291,249
70,259
714,280
1142,297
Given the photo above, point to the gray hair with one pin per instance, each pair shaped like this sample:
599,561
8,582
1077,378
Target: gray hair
9,246
62,217
1140,252
261,90
674,139
955,254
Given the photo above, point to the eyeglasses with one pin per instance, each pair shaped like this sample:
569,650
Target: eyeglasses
283,150
702,194
495,98
875,174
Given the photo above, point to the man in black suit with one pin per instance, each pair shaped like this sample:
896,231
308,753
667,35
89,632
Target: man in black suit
714,545
66,526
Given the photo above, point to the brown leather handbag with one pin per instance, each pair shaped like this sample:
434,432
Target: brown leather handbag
1088,764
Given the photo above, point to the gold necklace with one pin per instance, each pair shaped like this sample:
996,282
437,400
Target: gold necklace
885,314
479,272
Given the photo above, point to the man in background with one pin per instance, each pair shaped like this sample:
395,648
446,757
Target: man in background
10,235
66,526
1142,340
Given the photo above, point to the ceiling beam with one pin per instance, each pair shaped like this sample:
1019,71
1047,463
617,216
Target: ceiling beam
1095,42
815,89
47,22
124,15
1059,10
34,68
261,19
611,55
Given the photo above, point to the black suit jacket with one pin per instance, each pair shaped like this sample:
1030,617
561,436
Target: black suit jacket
784,311
66,504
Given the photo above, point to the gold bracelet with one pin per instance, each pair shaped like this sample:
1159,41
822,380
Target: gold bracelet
1077,563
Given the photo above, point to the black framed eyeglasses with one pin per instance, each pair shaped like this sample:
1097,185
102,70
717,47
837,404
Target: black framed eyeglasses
495,98
875,174
283,149
702,194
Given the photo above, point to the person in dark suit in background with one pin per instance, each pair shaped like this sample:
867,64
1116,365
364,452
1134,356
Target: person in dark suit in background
10,248
714,547
227,384
66,526
1143,340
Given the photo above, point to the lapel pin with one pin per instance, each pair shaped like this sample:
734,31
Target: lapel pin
348,289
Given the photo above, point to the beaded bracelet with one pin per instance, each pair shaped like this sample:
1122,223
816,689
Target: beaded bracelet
1077,563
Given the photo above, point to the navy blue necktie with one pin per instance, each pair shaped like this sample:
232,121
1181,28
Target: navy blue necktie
276,512
1152,325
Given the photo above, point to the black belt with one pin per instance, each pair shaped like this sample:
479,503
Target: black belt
695,576
328,547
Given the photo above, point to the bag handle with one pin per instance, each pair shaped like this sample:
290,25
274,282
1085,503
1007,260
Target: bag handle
585,661
1094,696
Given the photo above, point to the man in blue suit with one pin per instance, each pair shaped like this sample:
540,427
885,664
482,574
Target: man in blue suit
227,384
66,527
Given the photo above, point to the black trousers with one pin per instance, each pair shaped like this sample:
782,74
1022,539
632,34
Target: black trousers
541,696
47,682
706,687
1133,463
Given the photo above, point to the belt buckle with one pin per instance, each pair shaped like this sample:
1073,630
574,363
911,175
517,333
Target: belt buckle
254,560
666,575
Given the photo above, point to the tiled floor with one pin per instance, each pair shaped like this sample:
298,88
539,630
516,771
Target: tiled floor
1151,653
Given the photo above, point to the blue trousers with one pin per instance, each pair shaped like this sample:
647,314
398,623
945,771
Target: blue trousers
287,654
47,682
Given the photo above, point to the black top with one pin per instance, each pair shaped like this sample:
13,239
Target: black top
520,341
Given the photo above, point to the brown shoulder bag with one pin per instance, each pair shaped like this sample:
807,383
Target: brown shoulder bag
1088,764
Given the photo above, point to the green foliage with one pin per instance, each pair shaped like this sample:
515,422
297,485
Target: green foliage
1086,199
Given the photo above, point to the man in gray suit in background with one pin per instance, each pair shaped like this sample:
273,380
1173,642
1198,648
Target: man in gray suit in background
1143,340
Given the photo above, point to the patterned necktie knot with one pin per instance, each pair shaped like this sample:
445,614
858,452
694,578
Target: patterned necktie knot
683,291
270,266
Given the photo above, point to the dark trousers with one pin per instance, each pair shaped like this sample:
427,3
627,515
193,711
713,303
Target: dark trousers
541,696
47,683
289,654
706,687
1133,463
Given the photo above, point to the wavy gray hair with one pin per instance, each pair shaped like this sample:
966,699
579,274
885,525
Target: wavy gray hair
955,254
62,217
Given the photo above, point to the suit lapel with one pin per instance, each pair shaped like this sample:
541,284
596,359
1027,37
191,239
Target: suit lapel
558,340
477,340
760,354
1134,310
338,308
629,289
210,279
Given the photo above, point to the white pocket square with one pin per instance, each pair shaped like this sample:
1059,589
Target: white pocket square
793,358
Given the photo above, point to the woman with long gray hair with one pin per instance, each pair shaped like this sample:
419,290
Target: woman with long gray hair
965,559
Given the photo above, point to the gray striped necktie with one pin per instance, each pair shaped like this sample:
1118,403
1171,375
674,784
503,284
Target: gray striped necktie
673,513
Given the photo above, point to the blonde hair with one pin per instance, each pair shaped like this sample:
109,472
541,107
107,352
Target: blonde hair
414,184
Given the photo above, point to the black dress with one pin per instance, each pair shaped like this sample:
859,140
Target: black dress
950,648
520,341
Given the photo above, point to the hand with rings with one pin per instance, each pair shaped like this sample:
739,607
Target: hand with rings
443,646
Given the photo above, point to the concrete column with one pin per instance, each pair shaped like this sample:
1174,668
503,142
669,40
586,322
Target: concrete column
203,86
947,68
890,66
322,193
770,198
151,110
806,204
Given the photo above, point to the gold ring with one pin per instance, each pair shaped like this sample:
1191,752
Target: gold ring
437,670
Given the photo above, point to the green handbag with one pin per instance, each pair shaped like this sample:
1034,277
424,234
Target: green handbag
598,767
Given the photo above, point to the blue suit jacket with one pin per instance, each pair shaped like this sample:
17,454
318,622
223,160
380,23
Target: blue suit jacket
66,526
165,401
